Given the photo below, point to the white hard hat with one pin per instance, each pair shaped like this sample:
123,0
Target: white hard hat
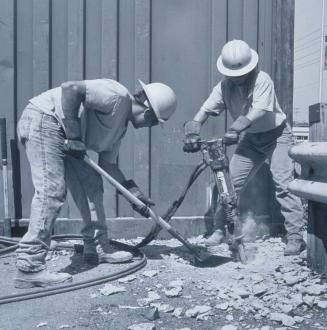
162,99
237,59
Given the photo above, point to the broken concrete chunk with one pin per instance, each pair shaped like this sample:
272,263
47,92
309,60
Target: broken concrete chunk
257,305
127,279
256,278
173,292
165,308
110,289
222,306
203,317
309,300
315,289
152,314
292,279
152,296
178,312
259,290
175,283
42,324
286,320
230,317
285,308
241,292
296,300
150,273
298,319
197,310
229,327
142,326
322,304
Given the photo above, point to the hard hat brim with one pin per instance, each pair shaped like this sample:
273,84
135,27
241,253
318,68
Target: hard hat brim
152,102
239,72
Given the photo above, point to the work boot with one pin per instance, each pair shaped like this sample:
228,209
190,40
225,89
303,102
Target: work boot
43,278
215,238
295,245
104,253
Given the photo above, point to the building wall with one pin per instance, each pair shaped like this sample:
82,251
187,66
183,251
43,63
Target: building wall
47,42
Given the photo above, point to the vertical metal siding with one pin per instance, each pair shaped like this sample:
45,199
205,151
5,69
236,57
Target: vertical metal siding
176,42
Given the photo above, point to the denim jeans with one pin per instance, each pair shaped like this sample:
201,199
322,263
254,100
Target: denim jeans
43,139
251,153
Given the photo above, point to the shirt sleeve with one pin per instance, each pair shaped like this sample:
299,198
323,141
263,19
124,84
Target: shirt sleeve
99,96
264,95
214,104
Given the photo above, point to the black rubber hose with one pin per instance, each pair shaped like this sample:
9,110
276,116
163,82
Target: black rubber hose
155,230
68,287
75,286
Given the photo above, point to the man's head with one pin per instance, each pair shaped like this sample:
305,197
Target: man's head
237,61
154,104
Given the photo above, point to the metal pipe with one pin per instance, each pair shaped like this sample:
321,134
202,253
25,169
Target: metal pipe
314,153
311,190
7,220
322,41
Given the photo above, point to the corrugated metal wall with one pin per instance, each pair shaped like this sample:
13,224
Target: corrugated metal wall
46,42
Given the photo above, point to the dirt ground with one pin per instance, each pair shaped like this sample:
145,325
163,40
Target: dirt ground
270,292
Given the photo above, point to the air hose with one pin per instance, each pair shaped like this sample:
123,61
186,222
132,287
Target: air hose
13,245
68,287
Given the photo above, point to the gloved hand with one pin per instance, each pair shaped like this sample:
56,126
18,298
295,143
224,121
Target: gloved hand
238,126
192,136
231,137
131,186
73,144
75,148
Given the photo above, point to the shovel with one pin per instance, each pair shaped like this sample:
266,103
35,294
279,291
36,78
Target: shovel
202,258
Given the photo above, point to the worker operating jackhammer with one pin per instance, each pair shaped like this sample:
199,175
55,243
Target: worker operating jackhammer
249,96
56,128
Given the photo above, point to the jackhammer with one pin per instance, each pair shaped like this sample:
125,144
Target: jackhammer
214,156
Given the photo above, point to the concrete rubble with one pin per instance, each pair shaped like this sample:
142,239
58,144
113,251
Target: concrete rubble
110,289
279,290
142,326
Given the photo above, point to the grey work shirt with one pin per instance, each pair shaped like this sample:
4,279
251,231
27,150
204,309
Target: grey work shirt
238,100
104,114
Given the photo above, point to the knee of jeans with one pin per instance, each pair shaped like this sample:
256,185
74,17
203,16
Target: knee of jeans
57,191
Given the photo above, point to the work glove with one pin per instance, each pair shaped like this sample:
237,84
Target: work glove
231,137
73,145
131,186
233,134
192,136
75,148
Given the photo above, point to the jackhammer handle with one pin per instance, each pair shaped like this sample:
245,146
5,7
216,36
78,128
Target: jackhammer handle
3,138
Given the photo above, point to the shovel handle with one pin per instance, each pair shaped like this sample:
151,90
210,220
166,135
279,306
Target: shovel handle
130,197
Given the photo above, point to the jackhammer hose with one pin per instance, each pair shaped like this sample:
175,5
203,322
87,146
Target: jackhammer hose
68,287
174,207
99,280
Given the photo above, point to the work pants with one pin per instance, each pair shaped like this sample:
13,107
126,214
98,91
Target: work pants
43,138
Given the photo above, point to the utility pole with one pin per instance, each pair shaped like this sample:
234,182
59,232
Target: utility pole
322,41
